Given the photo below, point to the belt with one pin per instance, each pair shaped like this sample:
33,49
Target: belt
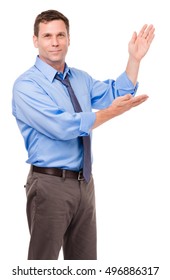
59,172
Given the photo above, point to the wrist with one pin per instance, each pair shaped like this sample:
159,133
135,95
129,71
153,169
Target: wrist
134,60
103,116
132,69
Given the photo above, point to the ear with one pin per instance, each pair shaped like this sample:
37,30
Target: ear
69,39
35,41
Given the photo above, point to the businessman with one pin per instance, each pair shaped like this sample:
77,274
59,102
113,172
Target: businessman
53,105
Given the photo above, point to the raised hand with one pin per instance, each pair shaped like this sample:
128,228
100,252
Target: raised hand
139,44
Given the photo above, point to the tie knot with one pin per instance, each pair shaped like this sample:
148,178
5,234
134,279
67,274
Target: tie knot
65,81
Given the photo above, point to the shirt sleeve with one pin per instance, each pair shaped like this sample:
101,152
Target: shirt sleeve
124,85
103,93
36,109
87,121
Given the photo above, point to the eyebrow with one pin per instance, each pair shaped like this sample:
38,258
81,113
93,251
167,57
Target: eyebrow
59,33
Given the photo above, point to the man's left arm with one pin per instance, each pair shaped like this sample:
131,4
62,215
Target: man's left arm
138,47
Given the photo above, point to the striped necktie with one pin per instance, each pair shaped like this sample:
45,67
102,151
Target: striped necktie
85,139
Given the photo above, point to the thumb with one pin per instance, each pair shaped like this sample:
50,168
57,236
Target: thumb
134,36
127,96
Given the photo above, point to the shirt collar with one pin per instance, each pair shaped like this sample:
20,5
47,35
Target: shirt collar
48,71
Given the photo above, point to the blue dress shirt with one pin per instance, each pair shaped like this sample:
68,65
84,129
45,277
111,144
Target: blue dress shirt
46,118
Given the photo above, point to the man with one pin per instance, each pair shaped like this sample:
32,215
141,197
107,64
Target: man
57,133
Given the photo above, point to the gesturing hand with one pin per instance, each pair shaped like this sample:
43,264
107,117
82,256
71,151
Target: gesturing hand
119,106
139,44
124,103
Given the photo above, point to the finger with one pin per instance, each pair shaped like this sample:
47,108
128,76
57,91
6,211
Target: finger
150,39
127,97
139,99
149,32
134,36
150,35
123,99
142,30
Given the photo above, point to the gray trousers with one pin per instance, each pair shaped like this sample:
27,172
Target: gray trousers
61,213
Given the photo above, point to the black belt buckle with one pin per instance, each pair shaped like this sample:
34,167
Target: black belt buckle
80,176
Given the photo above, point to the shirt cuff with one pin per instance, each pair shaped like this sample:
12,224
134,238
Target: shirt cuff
124,85
86,123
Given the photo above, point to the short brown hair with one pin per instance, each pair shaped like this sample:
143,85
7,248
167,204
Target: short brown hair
47,16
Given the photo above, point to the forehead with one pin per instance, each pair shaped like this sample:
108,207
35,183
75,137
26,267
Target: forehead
53,27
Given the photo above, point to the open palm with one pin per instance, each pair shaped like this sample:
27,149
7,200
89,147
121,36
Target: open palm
139,44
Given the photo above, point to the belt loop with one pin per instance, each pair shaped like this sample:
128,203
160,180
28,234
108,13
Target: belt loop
80,176
63,174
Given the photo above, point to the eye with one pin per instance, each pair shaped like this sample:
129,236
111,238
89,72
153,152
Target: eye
47,35
61,35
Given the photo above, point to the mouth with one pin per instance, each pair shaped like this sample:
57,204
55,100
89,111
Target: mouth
55,51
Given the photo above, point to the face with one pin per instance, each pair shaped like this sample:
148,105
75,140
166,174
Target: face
52,43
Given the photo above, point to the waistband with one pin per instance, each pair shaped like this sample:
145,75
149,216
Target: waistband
59,172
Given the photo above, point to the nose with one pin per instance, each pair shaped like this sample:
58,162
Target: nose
55,41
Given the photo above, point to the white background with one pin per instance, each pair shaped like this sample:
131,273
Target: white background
131,152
